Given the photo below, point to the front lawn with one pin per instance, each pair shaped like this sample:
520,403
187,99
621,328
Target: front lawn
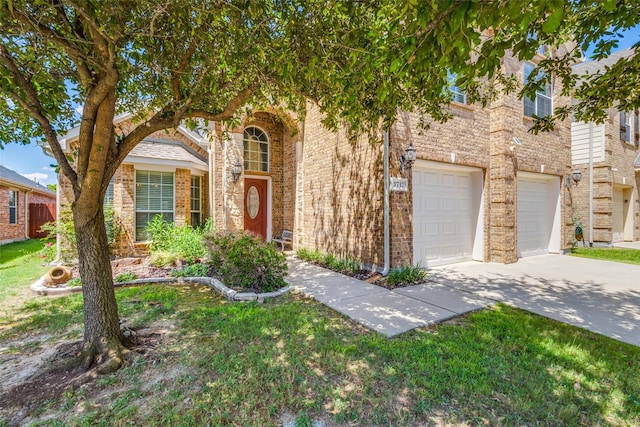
629,256
211,362
20,267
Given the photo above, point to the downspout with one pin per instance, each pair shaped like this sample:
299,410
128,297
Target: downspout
590,184
387,256
26,213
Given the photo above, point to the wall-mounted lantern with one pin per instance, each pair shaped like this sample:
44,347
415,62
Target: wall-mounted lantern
407,159
236,171
574,178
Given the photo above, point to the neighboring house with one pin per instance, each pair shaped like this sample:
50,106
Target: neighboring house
615,150
166,174
26,206
483,187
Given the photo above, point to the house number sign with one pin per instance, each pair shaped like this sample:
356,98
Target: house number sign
399,184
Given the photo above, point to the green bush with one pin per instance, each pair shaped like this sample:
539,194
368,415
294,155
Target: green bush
193,270
242,260
184,242
347,266
310,255
125,277
406,275
163,259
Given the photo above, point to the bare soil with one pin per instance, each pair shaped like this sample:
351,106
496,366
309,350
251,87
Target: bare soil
34,378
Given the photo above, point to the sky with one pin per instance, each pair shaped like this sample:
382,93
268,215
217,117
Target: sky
30,160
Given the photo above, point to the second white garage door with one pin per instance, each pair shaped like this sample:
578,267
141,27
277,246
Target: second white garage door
446,214
538,214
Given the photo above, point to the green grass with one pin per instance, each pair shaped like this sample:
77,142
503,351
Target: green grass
629,256
248,364
19,266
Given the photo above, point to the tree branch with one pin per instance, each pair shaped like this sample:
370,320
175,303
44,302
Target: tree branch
33,105
182,65
232,106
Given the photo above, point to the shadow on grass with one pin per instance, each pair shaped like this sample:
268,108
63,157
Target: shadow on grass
249,363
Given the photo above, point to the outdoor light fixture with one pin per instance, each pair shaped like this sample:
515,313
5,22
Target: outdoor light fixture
407,159
574,178
236,171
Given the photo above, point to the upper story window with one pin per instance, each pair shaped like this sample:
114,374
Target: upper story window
154,196
541,106
196,200
625,126
457,94
256,150
13,207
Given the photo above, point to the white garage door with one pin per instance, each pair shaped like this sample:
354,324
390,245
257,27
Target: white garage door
538,215
445,215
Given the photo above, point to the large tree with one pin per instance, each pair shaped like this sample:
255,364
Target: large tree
175,60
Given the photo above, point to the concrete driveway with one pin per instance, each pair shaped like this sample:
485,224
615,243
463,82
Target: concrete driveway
601,296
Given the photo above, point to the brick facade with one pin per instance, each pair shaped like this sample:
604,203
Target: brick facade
342,187
617,172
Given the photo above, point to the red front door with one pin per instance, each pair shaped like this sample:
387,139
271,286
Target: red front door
255,206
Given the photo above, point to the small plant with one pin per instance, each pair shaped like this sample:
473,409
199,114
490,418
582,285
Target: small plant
65,233
193,270
125,277
242,260
310,255
406,275
163,259
346,266
74,283
48,252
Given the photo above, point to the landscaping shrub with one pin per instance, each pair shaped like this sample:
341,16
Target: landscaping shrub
125,277
184,242
74,283
163,259
242,260
406,275
343,265
193,270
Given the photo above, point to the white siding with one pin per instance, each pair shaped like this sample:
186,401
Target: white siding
580,143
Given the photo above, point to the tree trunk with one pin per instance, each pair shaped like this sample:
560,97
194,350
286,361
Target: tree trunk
103,339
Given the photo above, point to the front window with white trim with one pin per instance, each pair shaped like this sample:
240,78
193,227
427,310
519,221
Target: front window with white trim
541,106
196,200
154,196
256,150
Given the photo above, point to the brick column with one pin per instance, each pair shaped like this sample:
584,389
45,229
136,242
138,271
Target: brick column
182,184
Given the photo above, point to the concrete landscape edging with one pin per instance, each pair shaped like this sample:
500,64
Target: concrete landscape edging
39,288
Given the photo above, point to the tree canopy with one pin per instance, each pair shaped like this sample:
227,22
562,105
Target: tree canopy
172,61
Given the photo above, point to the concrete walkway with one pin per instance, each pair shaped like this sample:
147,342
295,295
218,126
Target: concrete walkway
600,296
385,311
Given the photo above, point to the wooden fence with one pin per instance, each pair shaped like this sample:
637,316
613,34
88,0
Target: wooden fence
40,213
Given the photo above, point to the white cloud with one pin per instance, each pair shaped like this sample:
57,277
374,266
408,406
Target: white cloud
48,168
36,176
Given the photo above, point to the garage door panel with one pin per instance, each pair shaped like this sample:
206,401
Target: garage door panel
443,202
535,215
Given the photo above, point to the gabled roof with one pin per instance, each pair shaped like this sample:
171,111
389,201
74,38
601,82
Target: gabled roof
7,176
592,67
159,151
